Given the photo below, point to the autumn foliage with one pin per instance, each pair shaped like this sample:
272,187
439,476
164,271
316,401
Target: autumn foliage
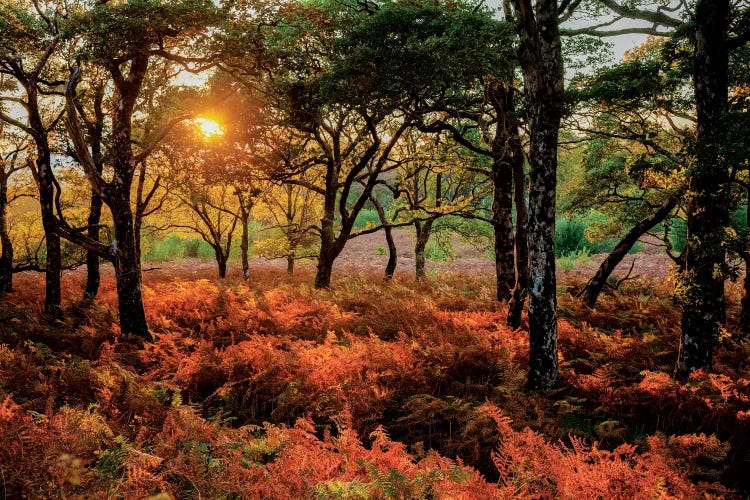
367,390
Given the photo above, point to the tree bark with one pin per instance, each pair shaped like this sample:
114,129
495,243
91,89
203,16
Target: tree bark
327,237
518,295
96,134
46,183
703,303
541,61
423,232
504,156
596,284
93,276
128,258
6,258
324,271
745,301
245,244
390,266
290,264
53,265
221,261
128,272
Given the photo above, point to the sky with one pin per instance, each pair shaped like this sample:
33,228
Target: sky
621,43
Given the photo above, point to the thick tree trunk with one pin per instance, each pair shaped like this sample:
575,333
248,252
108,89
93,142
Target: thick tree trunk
46,184
703,303
6,257
745,301
327,237
518,295
93,277
53,265
419,261
53,273
325,269
128,273
540,54
504,153
502,225
290,264
96,134
6,264
221,262
596,284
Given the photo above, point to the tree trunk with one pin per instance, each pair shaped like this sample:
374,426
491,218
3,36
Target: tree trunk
327,236
502,225
596,284
53,274
46,184
96,134
221,261
245,244
93,278
53,265
745,301
500,94
423,231
540,55
325,268
6,258
290,264
390,267
518,296
128,270
703,302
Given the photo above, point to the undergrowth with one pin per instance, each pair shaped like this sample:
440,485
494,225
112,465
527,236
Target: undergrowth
270,389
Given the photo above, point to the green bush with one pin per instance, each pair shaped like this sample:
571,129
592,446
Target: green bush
177,247
439,246
569,236
571,240
367,217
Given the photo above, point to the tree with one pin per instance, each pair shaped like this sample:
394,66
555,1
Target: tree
540,57
29,37
634,119
708,25
354,80
123,39
435,179
293,211
13,158
703,303
205,177
94,125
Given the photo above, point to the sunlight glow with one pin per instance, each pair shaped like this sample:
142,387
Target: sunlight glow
209,128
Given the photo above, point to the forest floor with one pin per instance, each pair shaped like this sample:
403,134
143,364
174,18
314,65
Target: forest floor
368,254
271,389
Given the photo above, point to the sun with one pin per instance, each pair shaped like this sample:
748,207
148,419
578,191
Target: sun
209,128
